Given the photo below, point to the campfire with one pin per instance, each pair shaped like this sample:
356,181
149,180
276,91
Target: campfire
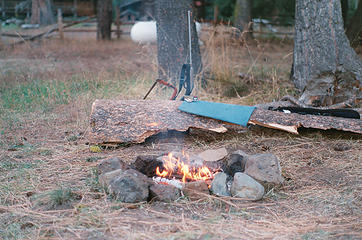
176,174
181,167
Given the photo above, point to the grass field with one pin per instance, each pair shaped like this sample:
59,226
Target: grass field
48,182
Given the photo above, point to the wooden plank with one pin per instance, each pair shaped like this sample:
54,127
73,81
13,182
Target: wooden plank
132,121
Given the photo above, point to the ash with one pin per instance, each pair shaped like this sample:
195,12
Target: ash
174,182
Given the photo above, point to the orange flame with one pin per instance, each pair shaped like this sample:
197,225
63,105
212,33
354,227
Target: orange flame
175,166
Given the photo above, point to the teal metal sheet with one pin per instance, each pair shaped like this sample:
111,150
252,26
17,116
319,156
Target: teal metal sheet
231,113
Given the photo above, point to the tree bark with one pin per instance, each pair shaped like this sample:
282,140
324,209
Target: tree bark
325,67
172,40
354,29
345,7
42,12
104,19
242,18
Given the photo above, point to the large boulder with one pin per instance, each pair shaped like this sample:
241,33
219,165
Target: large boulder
246,187
130,186
264,168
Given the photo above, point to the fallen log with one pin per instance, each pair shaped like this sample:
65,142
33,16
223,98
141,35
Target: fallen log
132,121
135,120
51,30
16,35
290,122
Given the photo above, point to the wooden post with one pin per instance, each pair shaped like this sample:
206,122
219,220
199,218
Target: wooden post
3,9
75,8
216,14
1,36
118,22
60,24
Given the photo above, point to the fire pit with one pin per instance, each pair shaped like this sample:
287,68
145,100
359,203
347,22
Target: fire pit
177,174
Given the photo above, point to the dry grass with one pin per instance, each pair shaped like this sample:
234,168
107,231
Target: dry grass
48,186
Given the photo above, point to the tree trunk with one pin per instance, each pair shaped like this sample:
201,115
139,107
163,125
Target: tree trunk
242,18
41,12
354,29
325,67
172,40
104,20
345,7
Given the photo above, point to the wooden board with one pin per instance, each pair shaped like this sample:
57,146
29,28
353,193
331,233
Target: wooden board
132,121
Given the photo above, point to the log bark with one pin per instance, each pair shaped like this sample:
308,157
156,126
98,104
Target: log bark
132,121
326,69
172,40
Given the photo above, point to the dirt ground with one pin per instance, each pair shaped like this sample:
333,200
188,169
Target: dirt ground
48,183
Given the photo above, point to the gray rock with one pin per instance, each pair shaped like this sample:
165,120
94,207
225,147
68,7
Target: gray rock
219,185
130,186
111,164
196,190
235,163
246,187
146,164
106,178
164,192
213,155
241,153
264,168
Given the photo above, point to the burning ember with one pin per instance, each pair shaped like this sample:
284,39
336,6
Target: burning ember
182,168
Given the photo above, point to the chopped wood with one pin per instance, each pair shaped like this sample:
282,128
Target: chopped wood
132,121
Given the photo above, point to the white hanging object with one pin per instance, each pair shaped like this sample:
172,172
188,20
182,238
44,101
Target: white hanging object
146,32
